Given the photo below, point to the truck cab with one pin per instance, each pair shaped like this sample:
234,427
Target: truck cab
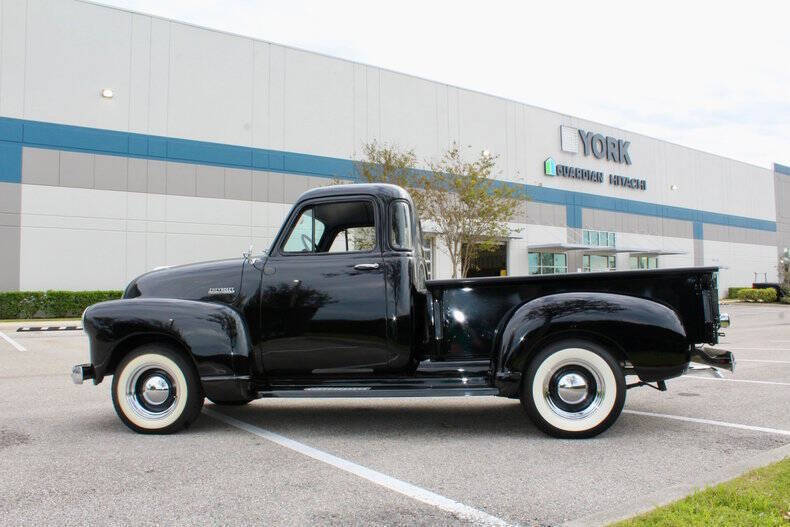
343,285
340,307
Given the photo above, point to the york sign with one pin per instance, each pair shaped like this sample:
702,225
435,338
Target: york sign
600,146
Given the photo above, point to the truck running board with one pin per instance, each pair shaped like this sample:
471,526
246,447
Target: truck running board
371,391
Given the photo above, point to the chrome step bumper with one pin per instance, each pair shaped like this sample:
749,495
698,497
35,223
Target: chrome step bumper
81,372
711,358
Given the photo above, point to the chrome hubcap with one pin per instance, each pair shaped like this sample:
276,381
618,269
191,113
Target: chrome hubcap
155,390
151,392
572,388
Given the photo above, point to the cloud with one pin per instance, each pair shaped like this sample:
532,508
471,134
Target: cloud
710,75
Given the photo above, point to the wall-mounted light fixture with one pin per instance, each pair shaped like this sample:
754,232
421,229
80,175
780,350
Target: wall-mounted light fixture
673,187
107,93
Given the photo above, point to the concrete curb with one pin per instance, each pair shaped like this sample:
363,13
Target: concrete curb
677,492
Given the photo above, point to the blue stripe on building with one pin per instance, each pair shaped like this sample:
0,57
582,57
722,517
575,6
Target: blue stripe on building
698,231
781,169
15,133
10,162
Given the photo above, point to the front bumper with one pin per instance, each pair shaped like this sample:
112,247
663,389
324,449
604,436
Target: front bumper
713,357
81,373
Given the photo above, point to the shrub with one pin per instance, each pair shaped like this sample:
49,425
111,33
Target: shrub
757,295
732,292
50,304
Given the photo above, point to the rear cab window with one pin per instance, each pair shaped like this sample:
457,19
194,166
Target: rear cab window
400,234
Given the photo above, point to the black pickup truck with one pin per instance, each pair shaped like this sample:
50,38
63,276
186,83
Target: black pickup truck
340,307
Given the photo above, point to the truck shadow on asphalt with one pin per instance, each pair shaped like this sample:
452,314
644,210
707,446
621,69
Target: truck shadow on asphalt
355,419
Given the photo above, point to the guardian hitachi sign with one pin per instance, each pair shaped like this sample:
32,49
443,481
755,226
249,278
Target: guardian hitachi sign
600,146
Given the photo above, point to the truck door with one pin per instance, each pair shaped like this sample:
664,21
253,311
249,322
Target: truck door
323,304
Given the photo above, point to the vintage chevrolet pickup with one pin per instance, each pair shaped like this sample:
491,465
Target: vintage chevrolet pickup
340,307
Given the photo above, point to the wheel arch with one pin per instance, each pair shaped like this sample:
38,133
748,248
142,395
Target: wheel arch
645,333
132,342
214,336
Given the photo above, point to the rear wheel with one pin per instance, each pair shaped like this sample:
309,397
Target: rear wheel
573,389
156,390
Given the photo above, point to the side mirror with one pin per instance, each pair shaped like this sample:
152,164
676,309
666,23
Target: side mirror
724,320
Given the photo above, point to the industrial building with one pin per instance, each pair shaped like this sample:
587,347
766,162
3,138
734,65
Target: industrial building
129,142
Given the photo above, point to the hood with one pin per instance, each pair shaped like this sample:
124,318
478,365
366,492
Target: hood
217,281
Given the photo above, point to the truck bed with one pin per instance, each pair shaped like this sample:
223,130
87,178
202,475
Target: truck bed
690,292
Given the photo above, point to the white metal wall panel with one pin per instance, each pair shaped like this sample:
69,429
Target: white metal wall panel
13,48
210,92
319,105
139,71
260,94
103,239
68,64
483,122
159,78
739,262
408,113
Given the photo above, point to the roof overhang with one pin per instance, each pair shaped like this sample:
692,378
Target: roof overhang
580,247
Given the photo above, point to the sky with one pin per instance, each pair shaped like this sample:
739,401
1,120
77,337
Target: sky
709,75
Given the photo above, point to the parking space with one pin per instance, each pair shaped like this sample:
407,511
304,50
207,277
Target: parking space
68,459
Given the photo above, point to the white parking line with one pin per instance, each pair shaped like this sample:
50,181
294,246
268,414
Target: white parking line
711,422
11,341
402,487
775,383
764,360
730,348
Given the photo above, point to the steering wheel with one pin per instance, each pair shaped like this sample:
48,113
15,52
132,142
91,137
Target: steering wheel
307,243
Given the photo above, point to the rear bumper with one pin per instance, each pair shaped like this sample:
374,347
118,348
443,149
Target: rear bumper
714,357
81,373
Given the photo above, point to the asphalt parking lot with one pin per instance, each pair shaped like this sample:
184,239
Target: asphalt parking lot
67,459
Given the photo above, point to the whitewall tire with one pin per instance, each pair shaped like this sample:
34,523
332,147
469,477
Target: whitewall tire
156,390
573,389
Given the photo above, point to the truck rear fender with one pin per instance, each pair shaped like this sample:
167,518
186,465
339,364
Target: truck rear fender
214,336
647,334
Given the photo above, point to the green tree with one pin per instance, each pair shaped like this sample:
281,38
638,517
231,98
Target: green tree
467,207
388,163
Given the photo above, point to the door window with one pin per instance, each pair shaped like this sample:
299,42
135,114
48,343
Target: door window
347,226
305,233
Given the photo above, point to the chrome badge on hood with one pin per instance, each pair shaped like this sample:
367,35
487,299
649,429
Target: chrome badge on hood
222,291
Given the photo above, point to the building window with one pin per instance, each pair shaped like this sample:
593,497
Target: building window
643,262
548,263
598,262
427,252
599,238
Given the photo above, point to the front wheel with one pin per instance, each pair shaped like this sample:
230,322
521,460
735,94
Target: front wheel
573,389
156,390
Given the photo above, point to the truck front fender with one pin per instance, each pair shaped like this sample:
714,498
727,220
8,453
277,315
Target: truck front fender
214,335
648,334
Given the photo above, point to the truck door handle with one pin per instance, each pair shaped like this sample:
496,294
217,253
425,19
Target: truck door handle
366,267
